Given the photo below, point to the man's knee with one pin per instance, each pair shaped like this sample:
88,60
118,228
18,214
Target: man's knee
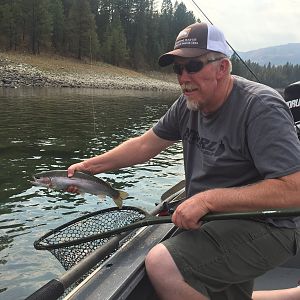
159,261
166,277
154,258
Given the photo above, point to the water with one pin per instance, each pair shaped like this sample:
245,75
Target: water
45,129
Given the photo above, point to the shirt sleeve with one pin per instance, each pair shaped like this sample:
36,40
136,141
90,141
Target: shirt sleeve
168,126
273,142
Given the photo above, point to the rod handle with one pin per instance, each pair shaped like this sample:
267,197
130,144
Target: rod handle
51,290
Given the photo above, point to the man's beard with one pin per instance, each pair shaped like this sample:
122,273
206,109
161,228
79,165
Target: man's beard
193,105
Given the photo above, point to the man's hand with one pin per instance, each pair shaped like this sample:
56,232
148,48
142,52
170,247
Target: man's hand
77,167
188,213
71,171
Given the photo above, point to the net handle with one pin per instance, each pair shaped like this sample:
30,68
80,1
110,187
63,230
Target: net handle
152,220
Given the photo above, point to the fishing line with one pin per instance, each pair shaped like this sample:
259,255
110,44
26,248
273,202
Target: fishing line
248,68
93,112
93,105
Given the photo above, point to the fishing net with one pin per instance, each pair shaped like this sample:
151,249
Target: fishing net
57,240
73,241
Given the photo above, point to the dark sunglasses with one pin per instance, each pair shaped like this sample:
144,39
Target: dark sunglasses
193,66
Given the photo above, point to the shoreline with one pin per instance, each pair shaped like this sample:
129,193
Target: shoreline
24,70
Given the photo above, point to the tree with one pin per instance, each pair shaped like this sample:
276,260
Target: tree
10,24
166,34
237,66
104,17
182,18
153,45
114,49
139,33
39,24
57,15
81,30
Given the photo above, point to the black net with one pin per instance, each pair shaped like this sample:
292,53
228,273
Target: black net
94,223
69,256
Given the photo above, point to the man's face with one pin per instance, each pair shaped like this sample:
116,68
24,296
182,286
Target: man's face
198,84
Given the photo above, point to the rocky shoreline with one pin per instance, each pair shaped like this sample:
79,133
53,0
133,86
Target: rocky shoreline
15,74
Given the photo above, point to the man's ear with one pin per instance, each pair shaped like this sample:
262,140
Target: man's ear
223,68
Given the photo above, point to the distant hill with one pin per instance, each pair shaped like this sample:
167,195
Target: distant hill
276,55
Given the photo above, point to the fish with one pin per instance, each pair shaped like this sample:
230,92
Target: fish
86,183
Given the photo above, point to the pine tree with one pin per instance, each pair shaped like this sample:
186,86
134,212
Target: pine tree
166,34
10,24
81,30
139,34
39,24
153,45
104,18
118,46
57,15
182,18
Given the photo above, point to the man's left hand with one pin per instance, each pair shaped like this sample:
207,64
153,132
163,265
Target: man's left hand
188,214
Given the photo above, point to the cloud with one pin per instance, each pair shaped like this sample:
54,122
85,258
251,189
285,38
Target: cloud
253,24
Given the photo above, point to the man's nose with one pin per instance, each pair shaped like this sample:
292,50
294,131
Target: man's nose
184,77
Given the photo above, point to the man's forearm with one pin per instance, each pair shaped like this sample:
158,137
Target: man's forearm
134,151
283,192
124,155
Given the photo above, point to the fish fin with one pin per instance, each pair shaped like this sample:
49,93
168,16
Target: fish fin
123,195
119,199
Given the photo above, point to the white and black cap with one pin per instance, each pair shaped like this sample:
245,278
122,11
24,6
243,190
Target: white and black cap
195,40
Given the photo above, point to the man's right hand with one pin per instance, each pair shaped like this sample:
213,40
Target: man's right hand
71,171
77,167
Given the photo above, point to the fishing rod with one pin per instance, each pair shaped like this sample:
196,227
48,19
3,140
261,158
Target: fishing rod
248,68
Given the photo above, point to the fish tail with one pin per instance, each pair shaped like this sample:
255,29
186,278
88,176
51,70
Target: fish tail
119,199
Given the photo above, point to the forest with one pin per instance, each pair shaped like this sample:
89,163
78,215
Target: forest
126,33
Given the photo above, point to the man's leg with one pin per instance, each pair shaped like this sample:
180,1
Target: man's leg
166,278
219,261
285,294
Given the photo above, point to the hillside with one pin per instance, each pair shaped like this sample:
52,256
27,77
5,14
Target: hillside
20,69
277,55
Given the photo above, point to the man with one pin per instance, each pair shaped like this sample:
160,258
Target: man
241,153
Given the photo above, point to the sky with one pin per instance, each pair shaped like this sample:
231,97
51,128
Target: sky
252,24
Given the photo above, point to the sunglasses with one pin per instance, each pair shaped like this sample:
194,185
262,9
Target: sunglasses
193,66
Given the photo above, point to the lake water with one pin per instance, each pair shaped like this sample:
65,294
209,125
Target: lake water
46,129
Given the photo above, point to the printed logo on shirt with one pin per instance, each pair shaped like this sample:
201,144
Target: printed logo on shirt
293,103
206,146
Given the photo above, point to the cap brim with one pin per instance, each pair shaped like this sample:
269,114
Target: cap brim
168,58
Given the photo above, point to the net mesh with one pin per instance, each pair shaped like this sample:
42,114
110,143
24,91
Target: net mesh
91,224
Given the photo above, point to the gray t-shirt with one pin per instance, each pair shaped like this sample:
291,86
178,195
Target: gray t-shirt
250,138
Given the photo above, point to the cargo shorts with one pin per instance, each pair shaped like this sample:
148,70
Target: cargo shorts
222,258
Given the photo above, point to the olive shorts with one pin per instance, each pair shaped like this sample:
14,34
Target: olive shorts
222,258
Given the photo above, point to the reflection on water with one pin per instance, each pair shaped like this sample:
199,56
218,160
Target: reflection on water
45,129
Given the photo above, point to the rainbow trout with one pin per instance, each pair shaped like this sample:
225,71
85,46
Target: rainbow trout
59,180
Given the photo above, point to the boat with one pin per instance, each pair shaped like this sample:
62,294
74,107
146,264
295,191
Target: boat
122,275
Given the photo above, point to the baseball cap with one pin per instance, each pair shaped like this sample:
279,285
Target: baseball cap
195,40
